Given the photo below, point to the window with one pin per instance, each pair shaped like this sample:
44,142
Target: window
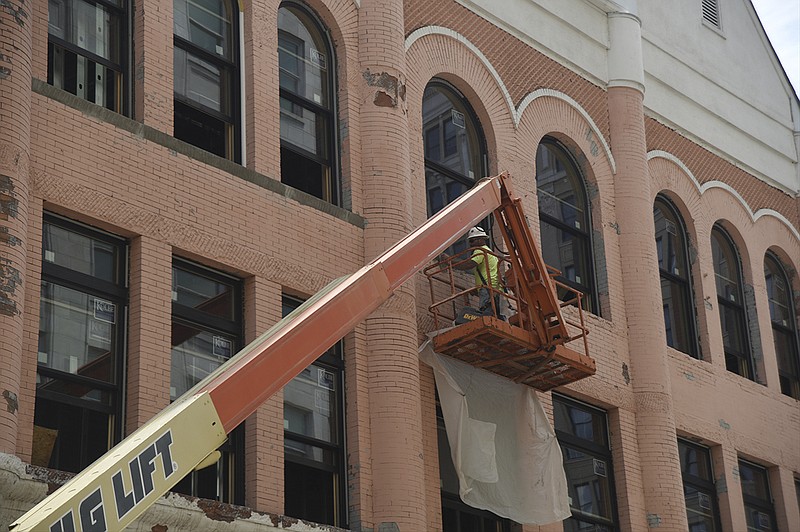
81,353
313,422
307,104
784,325
565,221
582,432
206,80
675,272
759,513
206,332
457,516
87,50
730,298
702,512
454,145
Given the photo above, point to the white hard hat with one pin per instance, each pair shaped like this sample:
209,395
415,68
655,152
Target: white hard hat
476,232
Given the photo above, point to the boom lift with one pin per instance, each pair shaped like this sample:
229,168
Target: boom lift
118,487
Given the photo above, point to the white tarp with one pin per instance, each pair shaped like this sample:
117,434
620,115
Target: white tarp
504,450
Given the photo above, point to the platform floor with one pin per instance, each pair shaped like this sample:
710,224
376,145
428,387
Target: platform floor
514,353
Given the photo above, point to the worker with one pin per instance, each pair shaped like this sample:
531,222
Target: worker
484,263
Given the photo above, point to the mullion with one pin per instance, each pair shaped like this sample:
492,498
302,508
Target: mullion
305,153
447,172
310,440
202,320
304,102
558,224
82,282
228,119
77,50
78,402
202,53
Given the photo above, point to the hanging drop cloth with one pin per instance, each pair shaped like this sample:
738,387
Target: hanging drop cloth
504,450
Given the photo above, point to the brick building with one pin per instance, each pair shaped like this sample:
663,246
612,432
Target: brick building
170,186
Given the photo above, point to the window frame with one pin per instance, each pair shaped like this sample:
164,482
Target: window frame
791,375
589,290
331,360
594,450
332,190
231,68
233,448
116,292
686,285
123,12
766,506
700,484
739,309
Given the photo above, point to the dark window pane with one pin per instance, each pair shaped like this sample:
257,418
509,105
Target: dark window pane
299,482
559,189
784,326
67,437
200,129
306,174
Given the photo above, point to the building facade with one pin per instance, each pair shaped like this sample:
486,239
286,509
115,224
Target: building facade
177,176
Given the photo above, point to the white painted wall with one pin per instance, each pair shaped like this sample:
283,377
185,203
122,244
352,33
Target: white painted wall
723,89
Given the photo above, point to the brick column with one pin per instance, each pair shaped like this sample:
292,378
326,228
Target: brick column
152,64
263,445
149,330
15,128
395,418
655,421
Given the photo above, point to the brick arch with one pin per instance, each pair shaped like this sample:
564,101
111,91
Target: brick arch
549,113
437,55
686,179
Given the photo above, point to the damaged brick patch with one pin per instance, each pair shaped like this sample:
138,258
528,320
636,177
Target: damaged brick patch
18,12
9,280
390,89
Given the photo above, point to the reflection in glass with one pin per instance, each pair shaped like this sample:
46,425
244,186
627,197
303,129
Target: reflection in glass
77,332
195,354
784,325
306,104
564,221
730,299
674,270
205,23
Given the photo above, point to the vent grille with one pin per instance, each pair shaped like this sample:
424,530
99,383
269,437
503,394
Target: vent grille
711,12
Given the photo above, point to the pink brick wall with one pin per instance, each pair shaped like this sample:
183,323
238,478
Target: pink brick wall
168,203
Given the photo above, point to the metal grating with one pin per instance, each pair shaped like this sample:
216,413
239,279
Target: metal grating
514,353
711,12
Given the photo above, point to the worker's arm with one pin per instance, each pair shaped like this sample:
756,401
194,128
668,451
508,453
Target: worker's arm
461,264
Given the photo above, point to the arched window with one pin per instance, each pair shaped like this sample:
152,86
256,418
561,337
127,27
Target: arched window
455,148
206,75
730,298
308,118
784,325
675,273
566,222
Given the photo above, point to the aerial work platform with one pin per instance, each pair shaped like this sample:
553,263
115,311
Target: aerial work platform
524,334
